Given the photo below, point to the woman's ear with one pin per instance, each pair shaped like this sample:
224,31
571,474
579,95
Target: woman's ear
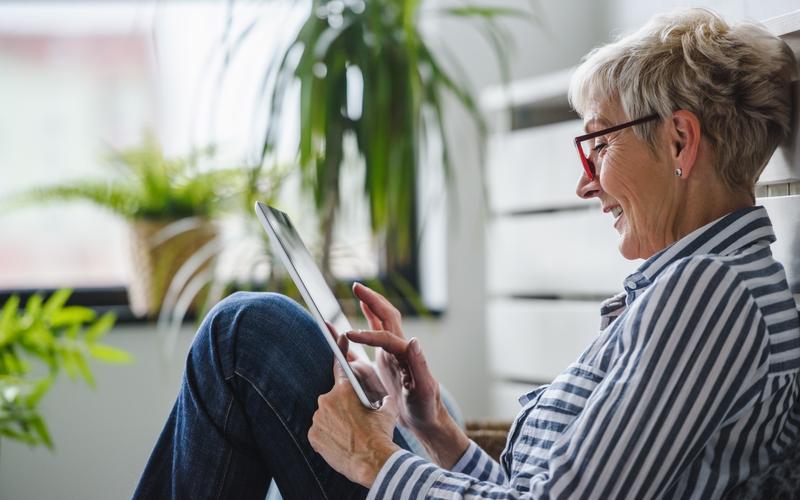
684,141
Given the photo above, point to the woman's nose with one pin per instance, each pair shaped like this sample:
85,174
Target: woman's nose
586,188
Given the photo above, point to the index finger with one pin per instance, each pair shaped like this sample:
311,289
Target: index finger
338,373
380,305
332,329
381,338
341,341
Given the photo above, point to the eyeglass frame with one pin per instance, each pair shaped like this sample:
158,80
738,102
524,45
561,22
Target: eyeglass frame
588,164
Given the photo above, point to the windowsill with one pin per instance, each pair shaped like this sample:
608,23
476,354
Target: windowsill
115,299
100,299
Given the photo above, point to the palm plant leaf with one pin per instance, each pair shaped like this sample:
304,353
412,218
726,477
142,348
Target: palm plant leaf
401,78
487,12
149,186
61,337
121,200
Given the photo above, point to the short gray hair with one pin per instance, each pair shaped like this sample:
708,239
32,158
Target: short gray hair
735,78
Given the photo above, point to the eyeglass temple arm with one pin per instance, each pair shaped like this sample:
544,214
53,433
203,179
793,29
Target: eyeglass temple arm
621,126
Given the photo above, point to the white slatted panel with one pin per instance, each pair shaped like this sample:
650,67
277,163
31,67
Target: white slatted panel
784,211
559,253
784,166
504,398
535,340
534,168
779,168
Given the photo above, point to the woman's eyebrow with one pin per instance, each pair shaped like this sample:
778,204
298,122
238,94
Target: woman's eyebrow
596,123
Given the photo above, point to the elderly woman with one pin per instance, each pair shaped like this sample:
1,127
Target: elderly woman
689,390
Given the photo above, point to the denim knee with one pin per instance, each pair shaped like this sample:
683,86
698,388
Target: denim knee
267,303
250,324
270,306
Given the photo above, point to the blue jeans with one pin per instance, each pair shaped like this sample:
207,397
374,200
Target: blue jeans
253,375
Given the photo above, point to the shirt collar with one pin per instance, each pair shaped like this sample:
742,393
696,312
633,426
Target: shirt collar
724,236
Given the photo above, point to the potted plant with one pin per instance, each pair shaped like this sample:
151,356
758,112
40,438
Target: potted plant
56,337
168,202
378,47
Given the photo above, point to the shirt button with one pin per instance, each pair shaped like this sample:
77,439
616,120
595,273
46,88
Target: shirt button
631,285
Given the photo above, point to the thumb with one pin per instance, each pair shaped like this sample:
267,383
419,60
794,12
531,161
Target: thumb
339,376
418,363
344,346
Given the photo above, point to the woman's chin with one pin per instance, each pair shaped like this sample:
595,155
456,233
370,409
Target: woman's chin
625,245
628,247
625,252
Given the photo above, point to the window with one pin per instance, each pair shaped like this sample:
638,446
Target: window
81,77
70,87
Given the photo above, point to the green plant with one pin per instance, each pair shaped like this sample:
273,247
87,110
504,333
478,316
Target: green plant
170,202
57,337
245,243
151,186
376,46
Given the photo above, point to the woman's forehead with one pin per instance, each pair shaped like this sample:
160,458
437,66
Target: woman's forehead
600,114
595,122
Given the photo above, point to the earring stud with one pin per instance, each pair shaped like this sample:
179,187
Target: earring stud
678,172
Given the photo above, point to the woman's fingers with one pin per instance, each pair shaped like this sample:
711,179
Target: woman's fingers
342,342
423,379
406,356
380,338
383,309
344,346
374,321
339,376
332,330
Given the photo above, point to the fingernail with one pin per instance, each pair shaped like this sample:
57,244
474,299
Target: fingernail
415,346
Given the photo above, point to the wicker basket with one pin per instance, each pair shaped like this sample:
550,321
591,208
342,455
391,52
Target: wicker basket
489,435
155,264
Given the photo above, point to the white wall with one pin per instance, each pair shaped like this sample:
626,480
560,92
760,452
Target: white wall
104,436
626,15
456,345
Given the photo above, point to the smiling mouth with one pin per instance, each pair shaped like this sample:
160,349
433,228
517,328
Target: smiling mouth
616,211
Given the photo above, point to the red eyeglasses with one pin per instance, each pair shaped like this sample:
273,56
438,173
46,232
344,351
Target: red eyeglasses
587,149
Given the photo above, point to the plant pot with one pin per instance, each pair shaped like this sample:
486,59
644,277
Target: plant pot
156,261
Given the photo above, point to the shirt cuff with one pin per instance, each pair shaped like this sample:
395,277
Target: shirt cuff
466,464
404,475
475,462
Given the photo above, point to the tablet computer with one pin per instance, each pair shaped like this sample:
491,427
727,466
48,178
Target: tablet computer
319,298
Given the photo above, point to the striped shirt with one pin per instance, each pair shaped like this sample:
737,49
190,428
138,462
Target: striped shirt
689,389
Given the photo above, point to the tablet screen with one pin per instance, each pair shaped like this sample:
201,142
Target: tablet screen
318,290
309,280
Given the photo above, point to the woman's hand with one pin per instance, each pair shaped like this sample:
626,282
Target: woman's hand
364,369
405,375
401,365
352,439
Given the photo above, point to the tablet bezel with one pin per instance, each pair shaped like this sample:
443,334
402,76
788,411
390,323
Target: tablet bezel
267,216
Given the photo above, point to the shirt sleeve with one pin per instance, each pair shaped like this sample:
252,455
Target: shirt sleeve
478,464
693,355
405,475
